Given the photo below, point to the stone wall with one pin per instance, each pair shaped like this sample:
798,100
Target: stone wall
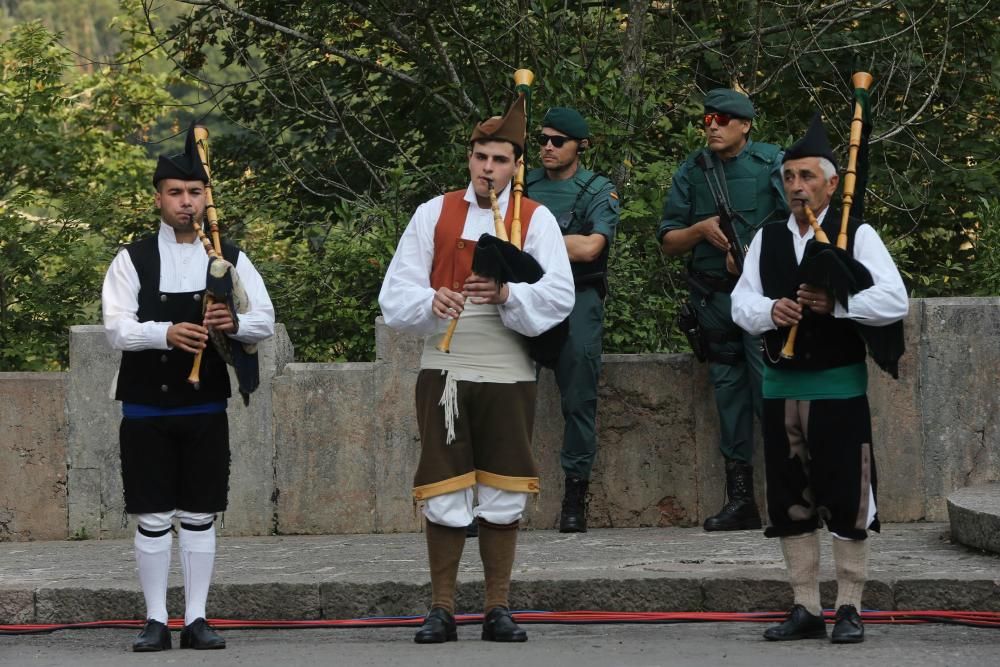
32,456
331,448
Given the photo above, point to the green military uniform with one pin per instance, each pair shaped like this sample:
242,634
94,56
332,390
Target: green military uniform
584,204
753,179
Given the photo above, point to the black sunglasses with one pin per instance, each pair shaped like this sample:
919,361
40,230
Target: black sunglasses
556,140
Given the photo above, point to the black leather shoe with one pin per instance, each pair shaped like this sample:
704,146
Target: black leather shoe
848,628
200,636
498,626
472,530
800,624
438,628
155,636
573,516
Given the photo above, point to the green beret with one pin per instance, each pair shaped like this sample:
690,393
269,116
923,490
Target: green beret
726,100
567,120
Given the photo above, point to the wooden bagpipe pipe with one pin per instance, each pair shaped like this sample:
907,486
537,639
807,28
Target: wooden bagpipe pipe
500,257
222,285
833,267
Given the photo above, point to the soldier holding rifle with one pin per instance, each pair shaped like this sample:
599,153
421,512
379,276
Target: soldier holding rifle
718,198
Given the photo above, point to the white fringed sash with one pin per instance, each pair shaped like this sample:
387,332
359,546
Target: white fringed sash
482,350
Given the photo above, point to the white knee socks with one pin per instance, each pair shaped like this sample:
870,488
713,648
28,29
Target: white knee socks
851,560
152,559
198,559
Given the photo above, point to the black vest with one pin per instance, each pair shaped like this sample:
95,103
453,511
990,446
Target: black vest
823,341
159,377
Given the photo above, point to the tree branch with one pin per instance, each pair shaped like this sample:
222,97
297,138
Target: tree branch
323,47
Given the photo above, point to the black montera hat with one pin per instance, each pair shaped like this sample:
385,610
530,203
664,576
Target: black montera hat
815,143
186,166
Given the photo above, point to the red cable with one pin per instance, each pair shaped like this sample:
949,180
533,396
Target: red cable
983,619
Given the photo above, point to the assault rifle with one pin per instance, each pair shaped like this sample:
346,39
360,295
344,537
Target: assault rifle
726,213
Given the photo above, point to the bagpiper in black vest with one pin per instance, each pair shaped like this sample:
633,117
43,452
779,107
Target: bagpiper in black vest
823,341
159,377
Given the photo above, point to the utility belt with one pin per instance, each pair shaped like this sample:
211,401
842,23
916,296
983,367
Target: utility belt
699,338
593,274
706,285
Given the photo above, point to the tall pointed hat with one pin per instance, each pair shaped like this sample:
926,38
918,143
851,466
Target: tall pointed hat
185,166
815,143
511,127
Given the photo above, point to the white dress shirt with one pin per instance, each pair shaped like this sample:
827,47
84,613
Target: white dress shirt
406,295
183,267
883,303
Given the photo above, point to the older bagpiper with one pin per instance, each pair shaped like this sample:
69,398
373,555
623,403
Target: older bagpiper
819,455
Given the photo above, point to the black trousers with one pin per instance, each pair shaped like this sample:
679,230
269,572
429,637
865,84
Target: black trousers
175,463
820,466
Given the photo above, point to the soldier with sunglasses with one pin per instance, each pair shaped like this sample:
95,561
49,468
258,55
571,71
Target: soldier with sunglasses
732,181
586,207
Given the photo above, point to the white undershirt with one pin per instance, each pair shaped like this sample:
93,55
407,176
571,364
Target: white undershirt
406,295
183,267
883,303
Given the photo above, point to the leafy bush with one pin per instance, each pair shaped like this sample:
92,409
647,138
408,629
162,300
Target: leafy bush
983,274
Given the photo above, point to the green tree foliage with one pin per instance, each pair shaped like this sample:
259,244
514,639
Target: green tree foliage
67,161
983,275
85,27
41,274
336,100
332,120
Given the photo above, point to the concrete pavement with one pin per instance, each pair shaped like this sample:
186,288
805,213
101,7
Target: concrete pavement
913,566
685,645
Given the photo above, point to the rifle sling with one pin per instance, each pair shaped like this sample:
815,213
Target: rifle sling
717,187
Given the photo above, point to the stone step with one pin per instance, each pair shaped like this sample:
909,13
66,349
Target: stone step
914,566
974,513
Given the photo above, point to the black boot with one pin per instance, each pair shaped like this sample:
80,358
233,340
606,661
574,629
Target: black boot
573,518
740,510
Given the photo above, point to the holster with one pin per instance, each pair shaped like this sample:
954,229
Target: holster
687,321
699,338
720,338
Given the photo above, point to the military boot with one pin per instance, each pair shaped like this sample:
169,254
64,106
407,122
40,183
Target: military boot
740,509
573,518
